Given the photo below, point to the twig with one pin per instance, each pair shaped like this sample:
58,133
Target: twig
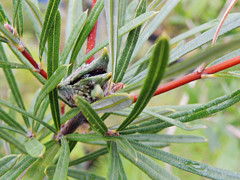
195,76
20,47
233,2
91,41
34,63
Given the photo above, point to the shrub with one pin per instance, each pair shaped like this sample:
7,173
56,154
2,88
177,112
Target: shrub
91,86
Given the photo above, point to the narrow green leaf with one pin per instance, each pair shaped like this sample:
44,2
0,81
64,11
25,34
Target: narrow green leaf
173,108
41,114
177,123
209,108
51,84
113,169
133,72
50,15
45,132
112,103
77,174
42,129
9,138
52,65
111,9
122,174
36,11
159,62
72,145
30,110
13,84
37,169
154,24
3,39
204,56
10,121
7,162
99,142
19,168
185,164
198,112
136,22
76,30
13,130
139,76
129,45
70,114
74,10
89,156
54,45
6,104
194,31
77,9
3,16
91,115
91,137
232,74
121,20
128,148
148,166
165,138
11,65
18,16
231,23
49,171
105,116
63,161
156,144
154,4
92,18
34,147
141,68
131,8
123,30
164,110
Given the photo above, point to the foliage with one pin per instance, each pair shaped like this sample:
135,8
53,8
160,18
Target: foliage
46,144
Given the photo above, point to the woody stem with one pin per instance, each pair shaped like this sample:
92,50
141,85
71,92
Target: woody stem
34,63
194,76
91,41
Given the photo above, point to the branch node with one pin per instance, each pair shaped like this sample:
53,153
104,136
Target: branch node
204,76
20,48
201,68
36,70
40,66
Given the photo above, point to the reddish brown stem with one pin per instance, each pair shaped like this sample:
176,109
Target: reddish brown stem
62,106
194,76
34,63
91,41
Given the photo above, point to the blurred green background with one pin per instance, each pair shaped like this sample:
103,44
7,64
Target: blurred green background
223,129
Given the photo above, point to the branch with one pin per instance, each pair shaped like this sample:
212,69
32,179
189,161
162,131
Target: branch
34,63
20,47
205,73
92,38
233,2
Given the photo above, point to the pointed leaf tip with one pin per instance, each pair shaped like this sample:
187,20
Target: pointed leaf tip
159,61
